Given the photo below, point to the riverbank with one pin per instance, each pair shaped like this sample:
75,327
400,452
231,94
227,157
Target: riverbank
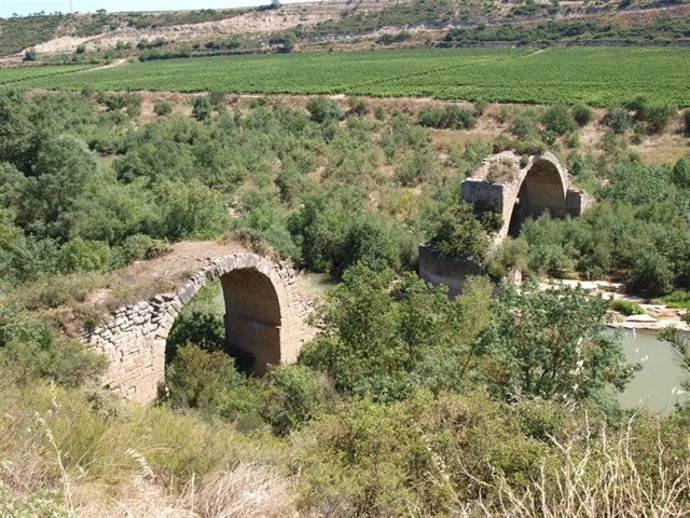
655,317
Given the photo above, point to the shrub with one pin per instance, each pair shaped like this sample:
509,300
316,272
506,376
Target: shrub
686,119
452,117
651,274
79,255
162,108
460,234
201,108
200,379
658,115
31,350
524,124
324,110
202,328
582,114
626,307
138,247
618,120
558,120
298,394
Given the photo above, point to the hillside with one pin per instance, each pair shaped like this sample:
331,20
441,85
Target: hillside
338,25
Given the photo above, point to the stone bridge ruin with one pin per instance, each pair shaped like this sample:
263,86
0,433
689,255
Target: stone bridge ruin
514,188
264,316
507,185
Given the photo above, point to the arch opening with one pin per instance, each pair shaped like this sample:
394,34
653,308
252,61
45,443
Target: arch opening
252,319
542,190
238,313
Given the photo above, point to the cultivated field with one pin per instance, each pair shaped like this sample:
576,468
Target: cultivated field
598,76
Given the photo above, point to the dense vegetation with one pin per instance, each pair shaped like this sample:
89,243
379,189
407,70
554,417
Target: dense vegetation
406,402
598,76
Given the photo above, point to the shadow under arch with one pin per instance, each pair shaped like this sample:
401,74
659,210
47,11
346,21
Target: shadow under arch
542,190
252,319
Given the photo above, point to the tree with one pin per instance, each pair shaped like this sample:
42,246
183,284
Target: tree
552,344
30,55
382,339
323,110
460,234
558,120
16,131
202,108
63,169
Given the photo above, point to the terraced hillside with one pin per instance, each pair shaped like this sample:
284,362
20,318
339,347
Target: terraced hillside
335,25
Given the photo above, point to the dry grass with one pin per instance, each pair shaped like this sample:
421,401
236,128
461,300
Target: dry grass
600,476
248,490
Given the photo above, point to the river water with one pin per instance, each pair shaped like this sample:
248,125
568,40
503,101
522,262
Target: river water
656,386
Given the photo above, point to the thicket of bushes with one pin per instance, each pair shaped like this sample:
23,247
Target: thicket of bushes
405,400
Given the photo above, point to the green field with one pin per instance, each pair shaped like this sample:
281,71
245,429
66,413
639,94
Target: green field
9,76
598,76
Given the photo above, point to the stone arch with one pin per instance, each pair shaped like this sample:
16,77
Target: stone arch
543,188
503,186
264,316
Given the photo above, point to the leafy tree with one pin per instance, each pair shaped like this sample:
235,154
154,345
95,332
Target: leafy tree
525,124
78,255
651,273
16,131
618,120
202,108
63,168
190,210
324,110
372,344
657,116
552,344
162,108
558,119
200,379
296,394
460,234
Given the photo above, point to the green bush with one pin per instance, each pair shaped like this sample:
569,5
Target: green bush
200,379
626,307
460,234
582,114
450,117
558,120
657,117
202,108
138,247
31,350
162,108
686,120
618,120
324,110
525,124
79,255
296,395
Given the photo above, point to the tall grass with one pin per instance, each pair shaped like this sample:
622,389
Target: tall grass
600,476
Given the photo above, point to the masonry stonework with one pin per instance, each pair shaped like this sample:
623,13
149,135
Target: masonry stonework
516,188
265,316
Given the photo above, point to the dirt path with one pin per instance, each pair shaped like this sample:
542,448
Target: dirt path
116,63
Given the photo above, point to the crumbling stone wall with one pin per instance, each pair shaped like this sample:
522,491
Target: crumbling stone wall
264,316
541,184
